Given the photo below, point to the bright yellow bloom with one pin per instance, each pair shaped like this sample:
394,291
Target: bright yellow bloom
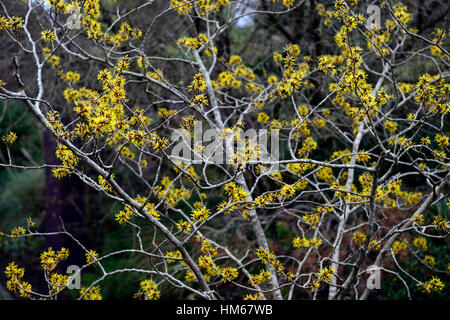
10,138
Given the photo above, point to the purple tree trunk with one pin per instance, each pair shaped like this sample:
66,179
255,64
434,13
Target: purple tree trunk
64,200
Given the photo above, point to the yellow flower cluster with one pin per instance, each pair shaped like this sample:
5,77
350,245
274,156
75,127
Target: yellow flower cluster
198,83
71,77
254,296
398,246
127,153
359,238
259,278
91,294
435,50
226,79
287,191
299,242
286,3
418,219
170,193
293,75
184,7
372,243
300,168
328,14
208,248
125,33
48,35
124,215
148,206
17,232
52,59
91,256
194,42
308,146
206,263
442,140
58,282
184,226
286,87
11,24
235,192
389,195
50,258
174,254
326,274
391,126
251,152
264,199
401,13
66,156
9,138
263,118
312,219
434,284
104,184
429,260
14,274
229,274
326,63
421,243
148,290
200,214
268,257
233,78
200,100
440,223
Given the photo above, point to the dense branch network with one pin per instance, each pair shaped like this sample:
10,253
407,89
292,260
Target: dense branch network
337,183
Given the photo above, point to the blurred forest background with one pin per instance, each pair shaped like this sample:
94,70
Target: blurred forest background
89,214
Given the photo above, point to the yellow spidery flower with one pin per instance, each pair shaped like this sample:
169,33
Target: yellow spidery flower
421,243
398,246
440,223
91,294
198,83
435,284
429,260
254,296
200,214
183,7
326,274
300,242
10,138
17,232
91,256
104,184
359,238
48,35
229,274
184,226
50,258
149,290
263,118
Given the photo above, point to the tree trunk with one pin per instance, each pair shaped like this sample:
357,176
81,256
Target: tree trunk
64,201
